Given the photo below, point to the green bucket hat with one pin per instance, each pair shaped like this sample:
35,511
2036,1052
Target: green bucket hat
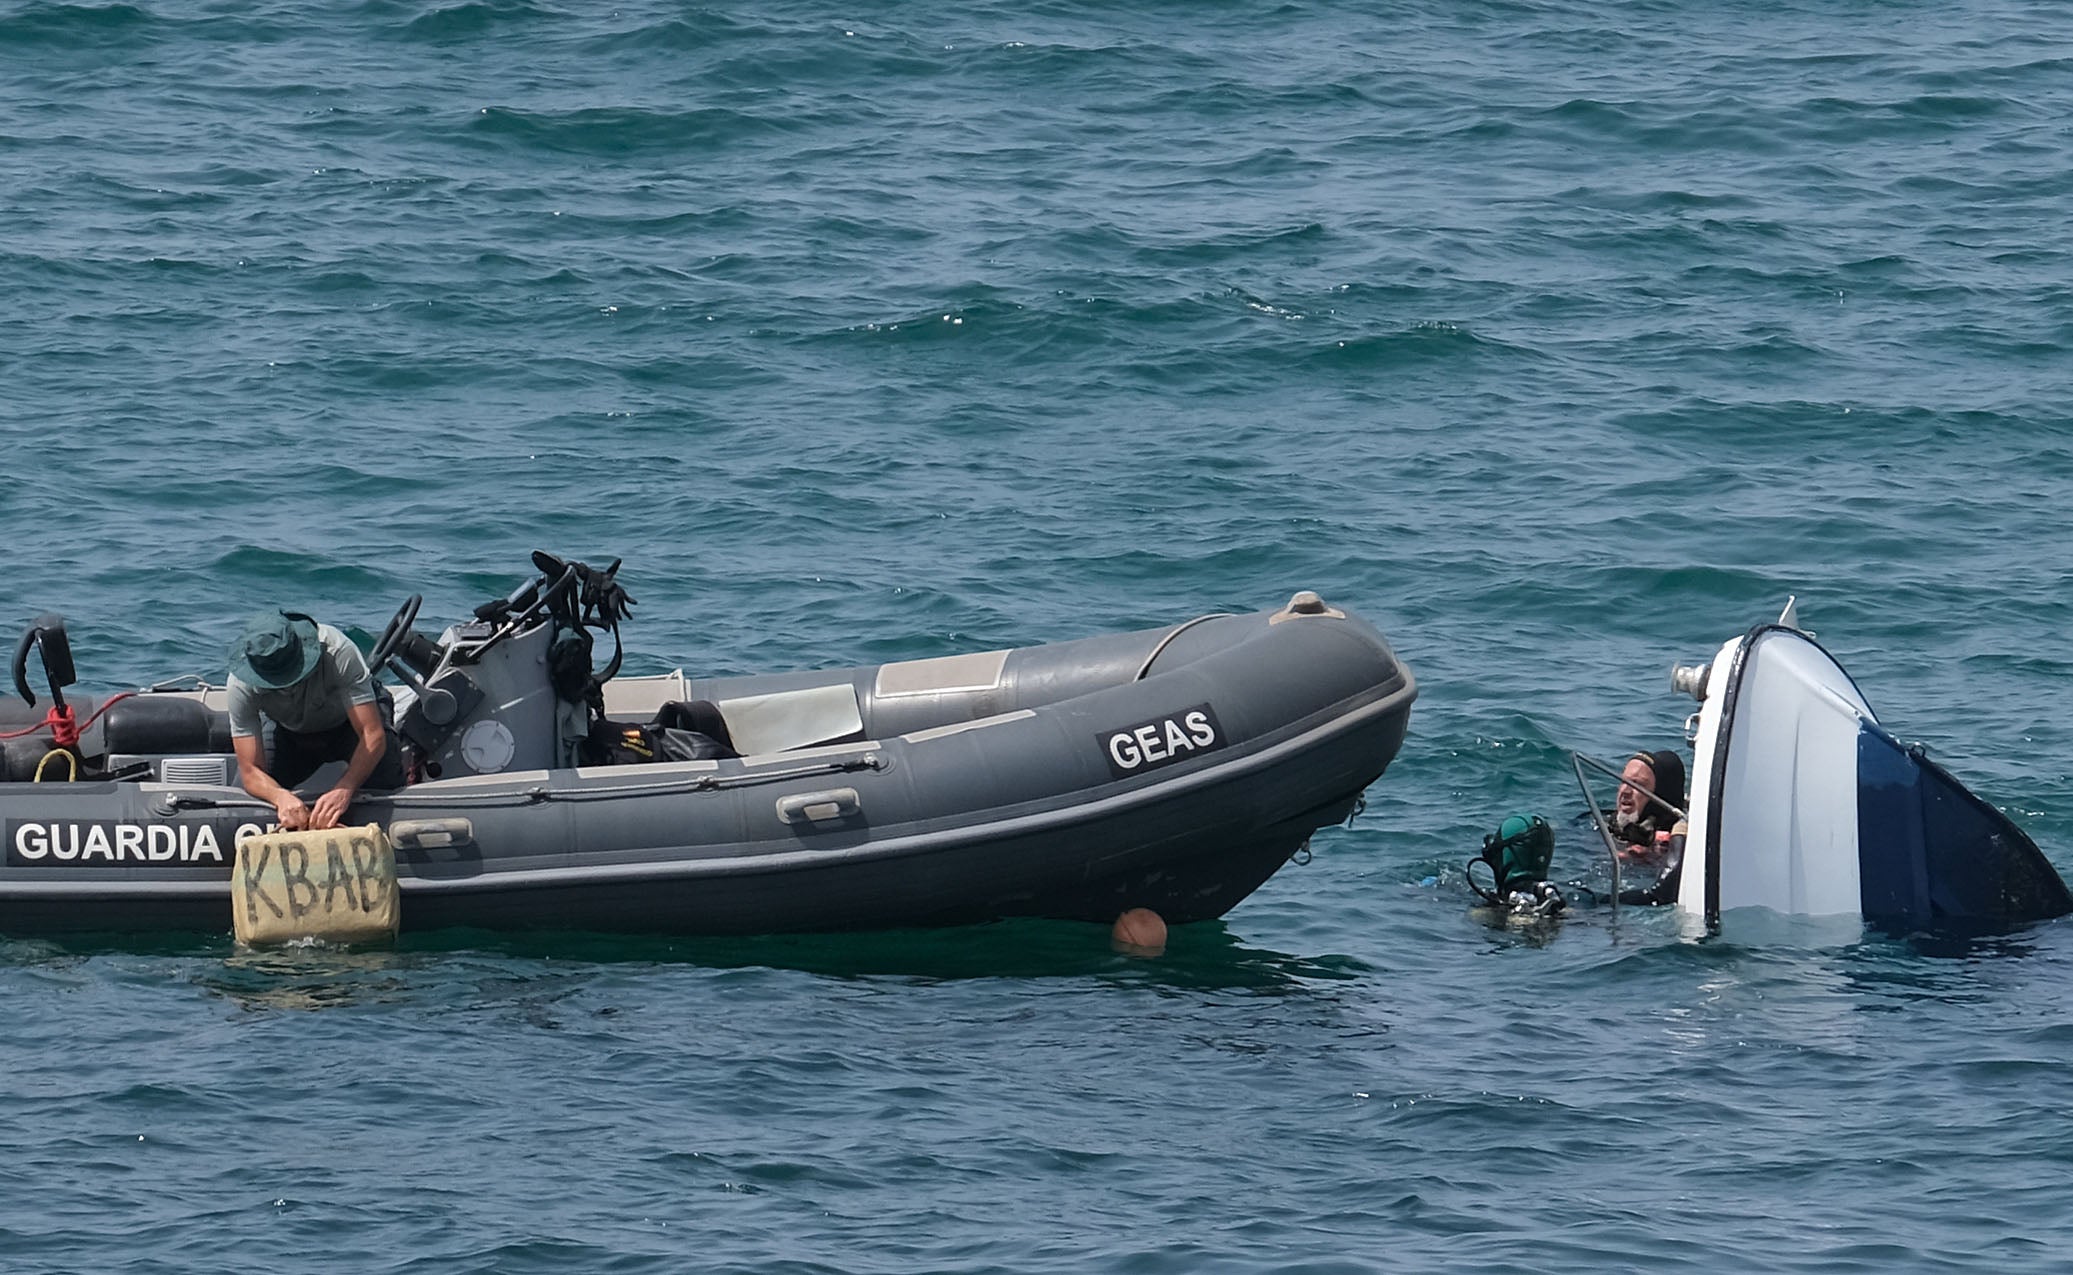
277,649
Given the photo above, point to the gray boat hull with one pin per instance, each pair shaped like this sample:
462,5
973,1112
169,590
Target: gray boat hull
1174,769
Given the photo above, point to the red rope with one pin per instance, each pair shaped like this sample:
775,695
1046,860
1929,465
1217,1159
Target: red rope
105,706
63,731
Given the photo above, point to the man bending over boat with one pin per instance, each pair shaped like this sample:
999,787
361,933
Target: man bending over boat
309,679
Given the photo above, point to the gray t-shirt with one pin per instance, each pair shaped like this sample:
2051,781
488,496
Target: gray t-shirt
317,702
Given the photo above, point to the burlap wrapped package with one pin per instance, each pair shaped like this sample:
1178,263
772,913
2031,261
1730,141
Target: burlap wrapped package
338,885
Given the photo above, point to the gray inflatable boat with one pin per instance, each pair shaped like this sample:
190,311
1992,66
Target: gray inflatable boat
1173,769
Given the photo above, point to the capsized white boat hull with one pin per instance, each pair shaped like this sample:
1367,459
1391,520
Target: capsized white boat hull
1804,804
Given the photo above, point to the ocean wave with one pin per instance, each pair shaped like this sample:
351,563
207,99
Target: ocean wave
448,23
1562,347
627,132
42,24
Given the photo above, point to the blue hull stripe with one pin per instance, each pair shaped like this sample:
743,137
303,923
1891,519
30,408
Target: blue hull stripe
1929,851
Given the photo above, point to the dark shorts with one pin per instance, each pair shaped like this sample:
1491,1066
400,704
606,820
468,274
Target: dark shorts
296,756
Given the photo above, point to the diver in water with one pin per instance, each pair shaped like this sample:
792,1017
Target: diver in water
1650,837
1645,829
1518,855
1640,824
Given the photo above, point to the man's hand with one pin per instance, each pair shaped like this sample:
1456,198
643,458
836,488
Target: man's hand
292,812
289,809
331,808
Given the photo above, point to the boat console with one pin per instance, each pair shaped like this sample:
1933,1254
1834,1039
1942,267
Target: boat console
514,688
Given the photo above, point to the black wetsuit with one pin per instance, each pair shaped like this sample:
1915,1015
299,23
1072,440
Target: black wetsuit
1667,879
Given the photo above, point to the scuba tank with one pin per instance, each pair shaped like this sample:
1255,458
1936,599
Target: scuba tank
1518,855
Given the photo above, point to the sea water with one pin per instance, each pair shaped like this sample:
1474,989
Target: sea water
1562,340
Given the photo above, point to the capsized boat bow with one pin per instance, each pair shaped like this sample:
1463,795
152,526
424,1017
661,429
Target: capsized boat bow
1803,803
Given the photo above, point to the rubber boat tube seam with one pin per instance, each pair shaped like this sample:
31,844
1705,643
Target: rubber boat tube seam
704,782
1021,825
1177,630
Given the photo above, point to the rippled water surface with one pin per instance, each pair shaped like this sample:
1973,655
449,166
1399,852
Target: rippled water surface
1562,340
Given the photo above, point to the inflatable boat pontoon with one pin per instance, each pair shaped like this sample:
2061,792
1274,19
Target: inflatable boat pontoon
1173,769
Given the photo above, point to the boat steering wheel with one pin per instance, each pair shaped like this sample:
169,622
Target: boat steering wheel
393,637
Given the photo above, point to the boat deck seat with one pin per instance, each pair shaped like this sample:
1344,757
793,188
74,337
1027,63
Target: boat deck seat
774,722
157,725
785,720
